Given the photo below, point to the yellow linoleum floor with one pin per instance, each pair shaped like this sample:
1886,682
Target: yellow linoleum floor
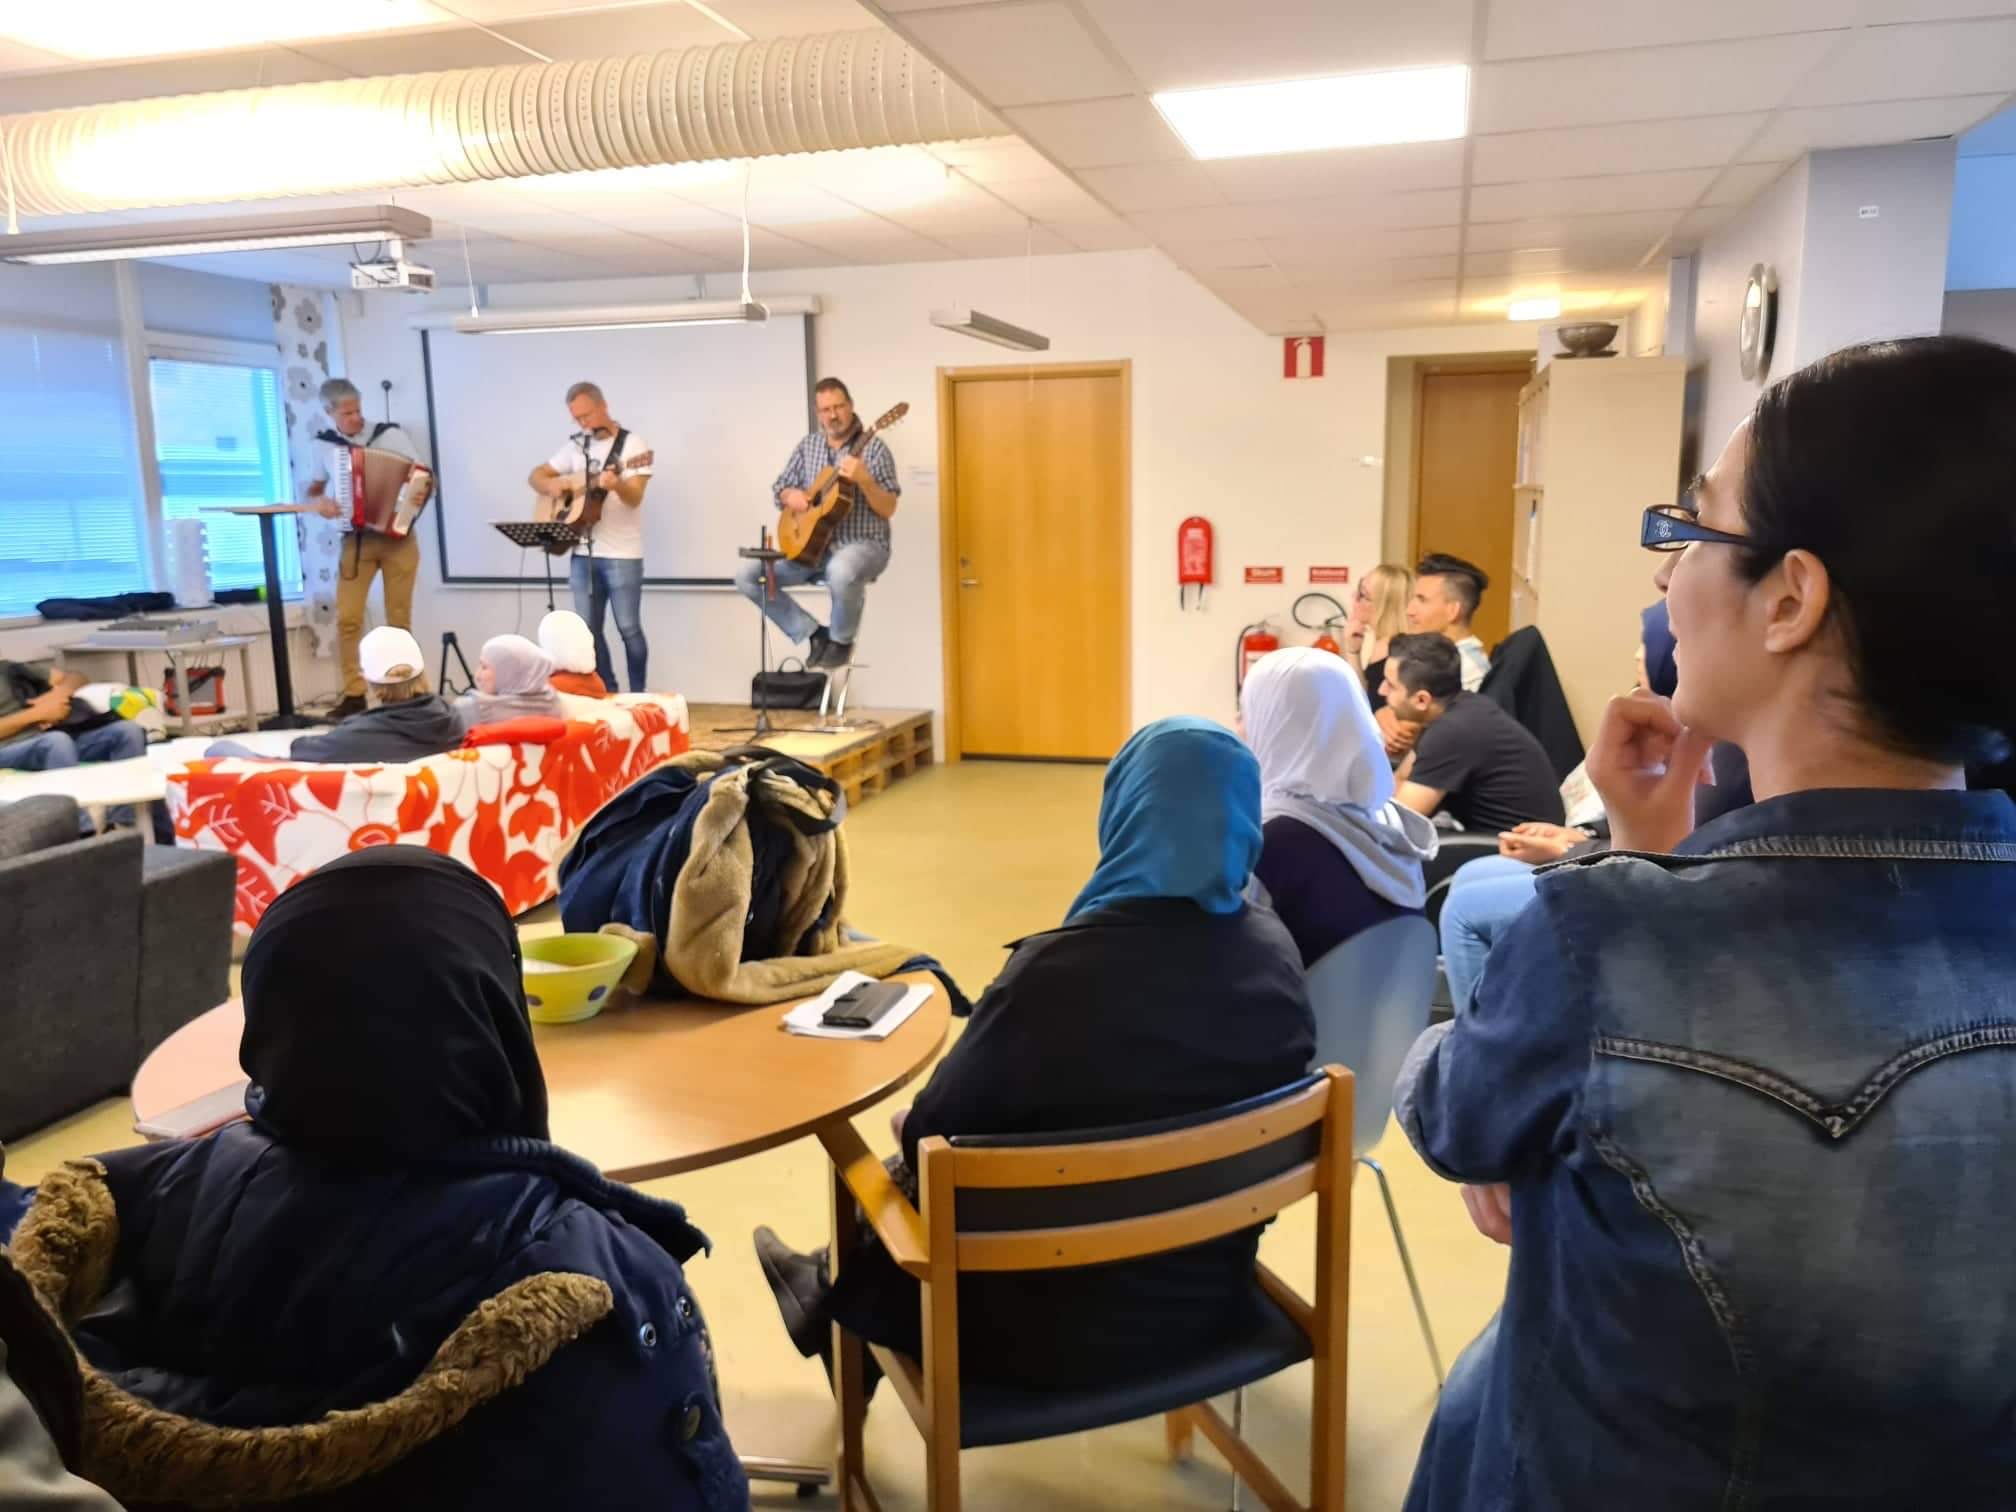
959,861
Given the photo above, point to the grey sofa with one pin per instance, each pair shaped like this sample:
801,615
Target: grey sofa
113,946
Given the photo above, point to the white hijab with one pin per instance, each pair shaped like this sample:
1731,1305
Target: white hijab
521,670
1322,763
564,636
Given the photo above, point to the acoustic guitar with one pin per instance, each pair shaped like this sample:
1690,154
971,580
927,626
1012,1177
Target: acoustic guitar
579,504
805,537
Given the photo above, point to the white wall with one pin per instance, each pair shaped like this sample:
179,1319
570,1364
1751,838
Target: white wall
1843,277
1770,229
189,303
1987,313
1216,431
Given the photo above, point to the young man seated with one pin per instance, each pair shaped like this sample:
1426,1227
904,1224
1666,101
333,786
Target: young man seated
1469,757
407,719
1447,591
40,730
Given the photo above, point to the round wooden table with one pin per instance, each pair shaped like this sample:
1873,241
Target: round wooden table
646,1088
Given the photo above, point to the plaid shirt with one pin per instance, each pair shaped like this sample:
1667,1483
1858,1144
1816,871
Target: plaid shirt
814,456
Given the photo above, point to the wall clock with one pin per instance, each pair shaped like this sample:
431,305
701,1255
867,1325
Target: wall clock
1758,324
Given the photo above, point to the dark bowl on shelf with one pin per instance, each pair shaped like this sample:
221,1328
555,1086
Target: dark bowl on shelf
1588,338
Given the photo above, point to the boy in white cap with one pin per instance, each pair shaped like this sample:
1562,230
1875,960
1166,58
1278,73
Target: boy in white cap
407,719
564,636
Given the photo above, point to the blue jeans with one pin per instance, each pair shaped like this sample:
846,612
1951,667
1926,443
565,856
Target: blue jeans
1484,896
119,741
618,583
847,571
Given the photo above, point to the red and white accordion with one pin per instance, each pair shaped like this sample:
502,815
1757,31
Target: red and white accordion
383,490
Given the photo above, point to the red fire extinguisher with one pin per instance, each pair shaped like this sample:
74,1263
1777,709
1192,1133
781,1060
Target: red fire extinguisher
1255,641
1193,559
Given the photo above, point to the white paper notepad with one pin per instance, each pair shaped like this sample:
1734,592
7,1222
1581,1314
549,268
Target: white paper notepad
804,1019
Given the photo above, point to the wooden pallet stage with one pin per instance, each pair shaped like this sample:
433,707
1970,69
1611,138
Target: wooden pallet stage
885,746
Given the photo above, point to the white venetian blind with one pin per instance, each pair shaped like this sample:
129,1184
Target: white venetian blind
70,509
220,440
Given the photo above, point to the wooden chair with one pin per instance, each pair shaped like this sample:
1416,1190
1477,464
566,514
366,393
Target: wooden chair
1013,1204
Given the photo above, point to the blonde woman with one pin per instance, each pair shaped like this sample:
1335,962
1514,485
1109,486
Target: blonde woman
1378,613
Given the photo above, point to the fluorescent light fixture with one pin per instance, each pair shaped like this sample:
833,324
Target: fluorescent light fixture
1546,307
690,312
982,327
1306,115
247,233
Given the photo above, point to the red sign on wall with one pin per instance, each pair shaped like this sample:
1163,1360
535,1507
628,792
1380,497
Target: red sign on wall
1264,575
1329,574
1302,357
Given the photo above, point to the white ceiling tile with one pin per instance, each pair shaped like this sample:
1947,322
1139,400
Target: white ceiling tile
1096,236
1185,44
1099,133
1743,182
1390,311
1506,264
1022,54
1360,170
870,239
1038,241
1878,12
895,7
1317,250
1322,281
1281,313
994,160
1236,281
764,19
1915,62
1535,28
1696,224
1330,222
1710,78
1639,147
1154,186
1793,132
1054,199
1590,196
1627,236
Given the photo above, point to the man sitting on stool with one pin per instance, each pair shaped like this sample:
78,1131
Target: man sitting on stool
860,550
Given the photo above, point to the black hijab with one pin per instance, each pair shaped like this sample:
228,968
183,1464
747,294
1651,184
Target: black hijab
385,1009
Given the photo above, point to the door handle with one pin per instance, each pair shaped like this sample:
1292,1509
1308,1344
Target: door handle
969,582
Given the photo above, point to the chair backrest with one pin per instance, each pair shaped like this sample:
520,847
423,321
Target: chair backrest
1044,1202
1371,997
33,824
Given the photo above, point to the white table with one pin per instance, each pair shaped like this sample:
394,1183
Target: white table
97,786
178,655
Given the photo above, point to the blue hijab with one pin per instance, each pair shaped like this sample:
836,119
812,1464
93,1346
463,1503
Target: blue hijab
1180,819
1662,676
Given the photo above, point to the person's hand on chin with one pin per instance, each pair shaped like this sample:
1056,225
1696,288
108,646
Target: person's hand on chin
1646,764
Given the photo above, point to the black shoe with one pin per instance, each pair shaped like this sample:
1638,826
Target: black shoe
354,704
801,1287
821,650
838,654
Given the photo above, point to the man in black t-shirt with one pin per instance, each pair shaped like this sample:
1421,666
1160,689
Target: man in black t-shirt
1471,757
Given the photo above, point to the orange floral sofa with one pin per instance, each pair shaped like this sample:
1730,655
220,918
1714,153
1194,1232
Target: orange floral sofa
506,810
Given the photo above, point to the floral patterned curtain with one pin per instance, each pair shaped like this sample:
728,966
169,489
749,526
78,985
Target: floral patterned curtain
303,328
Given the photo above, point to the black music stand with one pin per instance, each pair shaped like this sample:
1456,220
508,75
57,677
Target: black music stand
539,534
769,556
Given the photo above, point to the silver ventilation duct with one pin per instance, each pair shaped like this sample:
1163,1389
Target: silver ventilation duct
735,100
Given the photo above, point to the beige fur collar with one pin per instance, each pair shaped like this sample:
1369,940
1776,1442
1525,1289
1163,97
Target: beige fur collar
66,1246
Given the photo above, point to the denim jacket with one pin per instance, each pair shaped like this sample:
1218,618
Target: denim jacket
1756,1101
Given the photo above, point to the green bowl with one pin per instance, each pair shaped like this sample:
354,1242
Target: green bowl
569,977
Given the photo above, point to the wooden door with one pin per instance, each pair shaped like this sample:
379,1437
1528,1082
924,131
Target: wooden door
1469,445
1037,525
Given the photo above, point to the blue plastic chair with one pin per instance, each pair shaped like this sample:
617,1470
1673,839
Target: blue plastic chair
1371,997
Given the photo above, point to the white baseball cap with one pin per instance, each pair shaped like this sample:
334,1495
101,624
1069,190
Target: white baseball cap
390,655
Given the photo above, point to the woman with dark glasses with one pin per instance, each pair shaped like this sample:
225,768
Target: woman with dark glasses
1742,1098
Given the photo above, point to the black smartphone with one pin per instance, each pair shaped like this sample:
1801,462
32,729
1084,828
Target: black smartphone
864,1005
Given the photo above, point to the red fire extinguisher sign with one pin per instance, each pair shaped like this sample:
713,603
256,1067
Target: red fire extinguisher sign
1302,357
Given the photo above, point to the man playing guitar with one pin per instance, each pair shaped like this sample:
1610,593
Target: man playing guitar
860,549
608,567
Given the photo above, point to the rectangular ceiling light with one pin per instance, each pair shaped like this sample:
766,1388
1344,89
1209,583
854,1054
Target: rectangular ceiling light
1305,115
982,327
246,233
100,30
1544,308
692,312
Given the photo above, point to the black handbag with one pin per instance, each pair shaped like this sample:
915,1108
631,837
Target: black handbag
786,689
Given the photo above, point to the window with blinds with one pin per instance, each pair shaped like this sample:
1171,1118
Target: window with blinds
70,508
220,439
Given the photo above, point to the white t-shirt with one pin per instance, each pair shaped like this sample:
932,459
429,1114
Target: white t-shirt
394,439
621,533
1476,662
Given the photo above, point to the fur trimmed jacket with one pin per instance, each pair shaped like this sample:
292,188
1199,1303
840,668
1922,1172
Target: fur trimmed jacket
496,1327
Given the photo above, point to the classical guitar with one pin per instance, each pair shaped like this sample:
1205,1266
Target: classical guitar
805,537
579,504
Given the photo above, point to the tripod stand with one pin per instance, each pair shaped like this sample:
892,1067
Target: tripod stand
769,556
449,643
